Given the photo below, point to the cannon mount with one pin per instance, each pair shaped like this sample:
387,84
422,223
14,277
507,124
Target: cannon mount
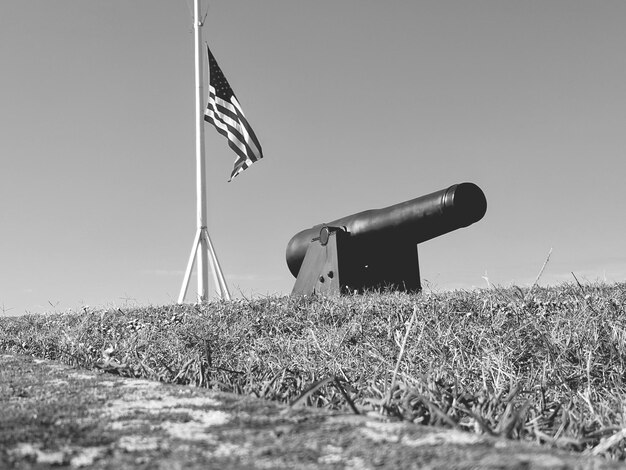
335,264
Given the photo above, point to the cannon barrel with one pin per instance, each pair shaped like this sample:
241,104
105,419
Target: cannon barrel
414,221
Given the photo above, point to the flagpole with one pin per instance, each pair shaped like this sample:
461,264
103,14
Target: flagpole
203,260
202,250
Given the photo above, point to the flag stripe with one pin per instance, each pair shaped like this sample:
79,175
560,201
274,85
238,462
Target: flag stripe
237,121
225,107
233,141
232,132
249,133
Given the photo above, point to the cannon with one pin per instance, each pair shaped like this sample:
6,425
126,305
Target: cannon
377,248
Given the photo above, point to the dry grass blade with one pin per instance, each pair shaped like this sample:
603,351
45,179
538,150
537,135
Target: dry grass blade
609,442
400,355
183,370
301,400
516,419
484,427
337,384
543,267
434,409
333,380
584,296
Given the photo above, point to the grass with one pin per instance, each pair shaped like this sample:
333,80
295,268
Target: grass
546,365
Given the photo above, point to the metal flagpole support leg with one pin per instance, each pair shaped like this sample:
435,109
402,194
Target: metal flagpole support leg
192,257
205,246
217,269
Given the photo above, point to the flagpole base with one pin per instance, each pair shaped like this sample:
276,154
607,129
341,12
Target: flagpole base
202,238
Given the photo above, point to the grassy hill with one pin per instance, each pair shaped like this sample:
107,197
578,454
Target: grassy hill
546,365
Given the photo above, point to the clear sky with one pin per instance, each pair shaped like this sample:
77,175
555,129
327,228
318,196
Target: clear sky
358,104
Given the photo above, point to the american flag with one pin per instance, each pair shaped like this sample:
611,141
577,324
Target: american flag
225,113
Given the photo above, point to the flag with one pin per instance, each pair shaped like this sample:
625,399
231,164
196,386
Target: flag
225,113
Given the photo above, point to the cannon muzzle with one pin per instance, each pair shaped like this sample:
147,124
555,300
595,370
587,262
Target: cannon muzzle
394,228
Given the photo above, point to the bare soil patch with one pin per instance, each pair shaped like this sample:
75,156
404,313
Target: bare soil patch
57,416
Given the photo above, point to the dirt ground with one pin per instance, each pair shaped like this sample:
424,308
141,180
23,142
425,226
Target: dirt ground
56,416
